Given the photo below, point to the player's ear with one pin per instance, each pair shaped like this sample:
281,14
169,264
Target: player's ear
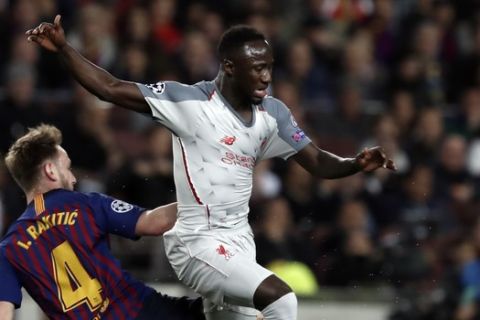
228,67
50,171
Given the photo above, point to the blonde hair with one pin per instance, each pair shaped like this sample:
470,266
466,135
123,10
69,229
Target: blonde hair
26,155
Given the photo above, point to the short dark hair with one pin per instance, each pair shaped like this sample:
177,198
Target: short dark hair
235,37
28,153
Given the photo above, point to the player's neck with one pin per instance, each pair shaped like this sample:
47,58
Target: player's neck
240,104
30,195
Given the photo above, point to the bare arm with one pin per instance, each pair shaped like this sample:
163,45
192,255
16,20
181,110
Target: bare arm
101,83
6,310
157,221
93,78
323,164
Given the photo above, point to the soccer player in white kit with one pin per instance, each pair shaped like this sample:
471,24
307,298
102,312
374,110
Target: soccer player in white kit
220,130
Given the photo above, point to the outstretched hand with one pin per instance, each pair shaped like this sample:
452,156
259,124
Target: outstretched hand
49,36
371,159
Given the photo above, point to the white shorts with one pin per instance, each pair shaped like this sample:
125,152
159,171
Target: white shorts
219,265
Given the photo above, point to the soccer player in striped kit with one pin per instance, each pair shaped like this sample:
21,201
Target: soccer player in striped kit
58,248
221,129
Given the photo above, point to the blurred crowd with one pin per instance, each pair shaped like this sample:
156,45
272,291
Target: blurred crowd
402,74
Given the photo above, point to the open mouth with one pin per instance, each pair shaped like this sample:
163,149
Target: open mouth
260,93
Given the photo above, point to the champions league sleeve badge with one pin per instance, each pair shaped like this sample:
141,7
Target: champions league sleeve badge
298,136
121,206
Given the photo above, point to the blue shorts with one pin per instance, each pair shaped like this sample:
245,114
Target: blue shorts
163,307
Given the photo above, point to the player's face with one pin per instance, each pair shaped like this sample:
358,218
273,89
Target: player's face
253,70
64,166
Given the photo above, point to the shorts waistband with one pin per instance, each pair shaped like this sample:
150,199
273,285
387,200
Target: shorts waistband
213,216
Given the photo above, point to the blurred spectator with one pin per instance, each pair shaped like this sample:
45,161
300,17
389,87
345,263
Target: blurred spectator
280,247
452,165
468,265
19,109
347,126
407,76
198,58
165,33
137,27
23,52
276,239
310,78
12,203
426,47
419,213
94,36
467,120
134,64
403,112
359,67
383,30
426,136
298,188
212,26
351,249
24,15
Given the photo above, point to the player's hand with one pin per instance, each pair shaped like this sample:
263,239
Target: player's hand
49,36
371,159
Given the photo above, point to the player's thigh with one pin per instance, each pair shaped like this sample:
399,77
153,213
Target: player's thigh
233,280
244,280
224,270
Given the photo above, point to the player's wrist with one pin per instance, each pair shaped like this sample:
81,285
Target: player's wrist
355,163
63,47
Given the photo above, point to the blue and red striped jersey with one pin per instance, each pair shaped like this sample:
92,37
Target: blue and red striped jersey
58,251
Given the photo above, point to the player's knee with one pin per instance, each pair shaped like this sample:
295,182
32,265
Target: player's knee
284,308
270,290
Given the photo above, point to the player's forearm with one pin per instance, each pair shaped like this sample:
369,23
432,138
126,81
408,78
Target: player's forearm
93,78
331,166
6,310
157,221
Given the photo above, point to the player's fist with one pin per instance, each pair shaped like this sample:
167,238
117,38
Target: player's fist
373,158
49,36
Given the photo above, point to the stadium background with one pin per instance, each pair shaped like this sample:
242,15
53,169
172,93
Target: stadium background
403,74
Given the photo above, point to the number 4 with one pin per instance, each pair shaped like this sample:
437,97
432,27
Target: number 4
74,284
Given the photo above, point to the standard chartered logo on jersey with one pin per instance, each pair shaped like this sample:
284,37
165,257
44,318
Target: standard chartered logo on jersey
238,160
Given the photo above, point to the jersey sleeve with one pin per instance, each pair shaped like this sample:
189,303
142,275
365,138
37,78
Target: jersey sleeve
11,289
115,216
286,138
173,104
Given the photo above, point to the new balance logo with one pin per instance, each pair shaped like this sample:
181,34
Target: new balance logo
228,140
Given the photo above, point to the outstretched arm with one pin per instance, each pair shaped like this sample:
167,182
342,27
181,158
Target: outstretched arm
93,78
323,164
157,221
6,310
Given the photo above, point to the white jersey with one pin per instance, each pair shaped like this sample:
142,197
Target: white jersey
215,150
